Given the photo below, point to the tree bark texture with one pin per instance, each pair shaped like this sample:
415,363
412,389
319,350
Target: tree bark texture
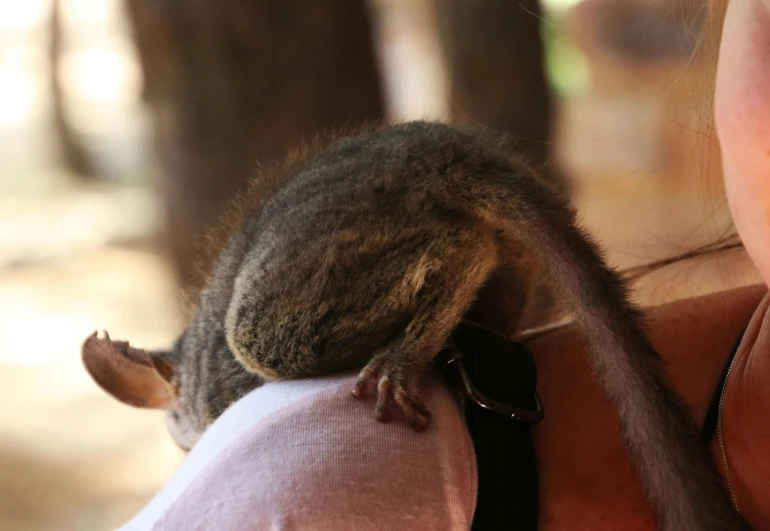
73,154
234,83
495,55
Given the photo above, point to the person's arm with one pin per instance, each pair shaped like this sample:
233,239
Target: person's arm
742,112
304,454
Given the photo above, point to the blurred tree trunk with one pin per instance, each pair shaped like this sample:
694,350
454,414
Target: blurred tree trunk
496,64
231,84
73,154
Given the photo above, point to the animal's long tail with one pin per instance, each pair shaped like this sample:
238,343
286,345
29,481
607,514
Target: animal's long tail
679,477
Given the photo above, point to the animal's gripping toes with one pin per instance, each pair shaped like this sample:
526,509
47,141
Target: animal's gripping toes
395,376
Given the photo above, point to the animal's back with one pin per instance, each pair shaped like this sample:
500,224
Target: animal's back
379,176
340,255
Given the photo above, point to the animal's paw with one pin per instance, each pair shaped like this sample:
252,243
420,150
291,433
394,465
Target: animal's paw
397,387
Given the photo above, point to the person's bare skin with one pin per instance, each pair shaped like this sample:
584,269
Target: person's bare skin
586,480
742,114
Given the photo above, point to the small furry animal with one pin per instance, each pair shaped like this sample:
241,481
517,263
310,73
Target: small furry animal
368,256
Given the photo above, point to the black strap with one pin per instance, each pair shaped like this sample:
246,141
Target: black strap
499,376
712,415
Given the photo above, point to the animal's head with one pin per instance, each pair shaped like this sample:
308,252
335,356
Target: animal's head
145,379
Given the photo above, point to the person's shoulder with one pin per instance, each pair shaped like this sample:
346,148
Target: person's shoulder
732,301
735,301
306,452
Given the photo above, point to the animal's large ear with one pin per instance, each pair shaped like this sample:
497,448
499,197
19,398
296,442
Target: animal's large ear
131,375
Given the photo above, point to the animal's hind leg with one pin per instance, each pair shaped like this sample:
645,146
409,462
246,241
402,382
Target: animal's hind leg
505,297
395,370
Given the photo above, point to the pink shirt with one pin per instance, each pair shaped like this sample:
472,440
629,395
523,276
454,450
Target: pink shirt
305,454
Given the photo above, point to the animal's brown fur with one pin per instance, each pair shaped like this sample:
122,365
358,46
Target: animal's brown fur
268,178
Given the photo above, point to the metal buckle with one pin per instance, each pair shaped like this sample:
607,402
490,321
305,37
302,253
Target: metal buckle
531,416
